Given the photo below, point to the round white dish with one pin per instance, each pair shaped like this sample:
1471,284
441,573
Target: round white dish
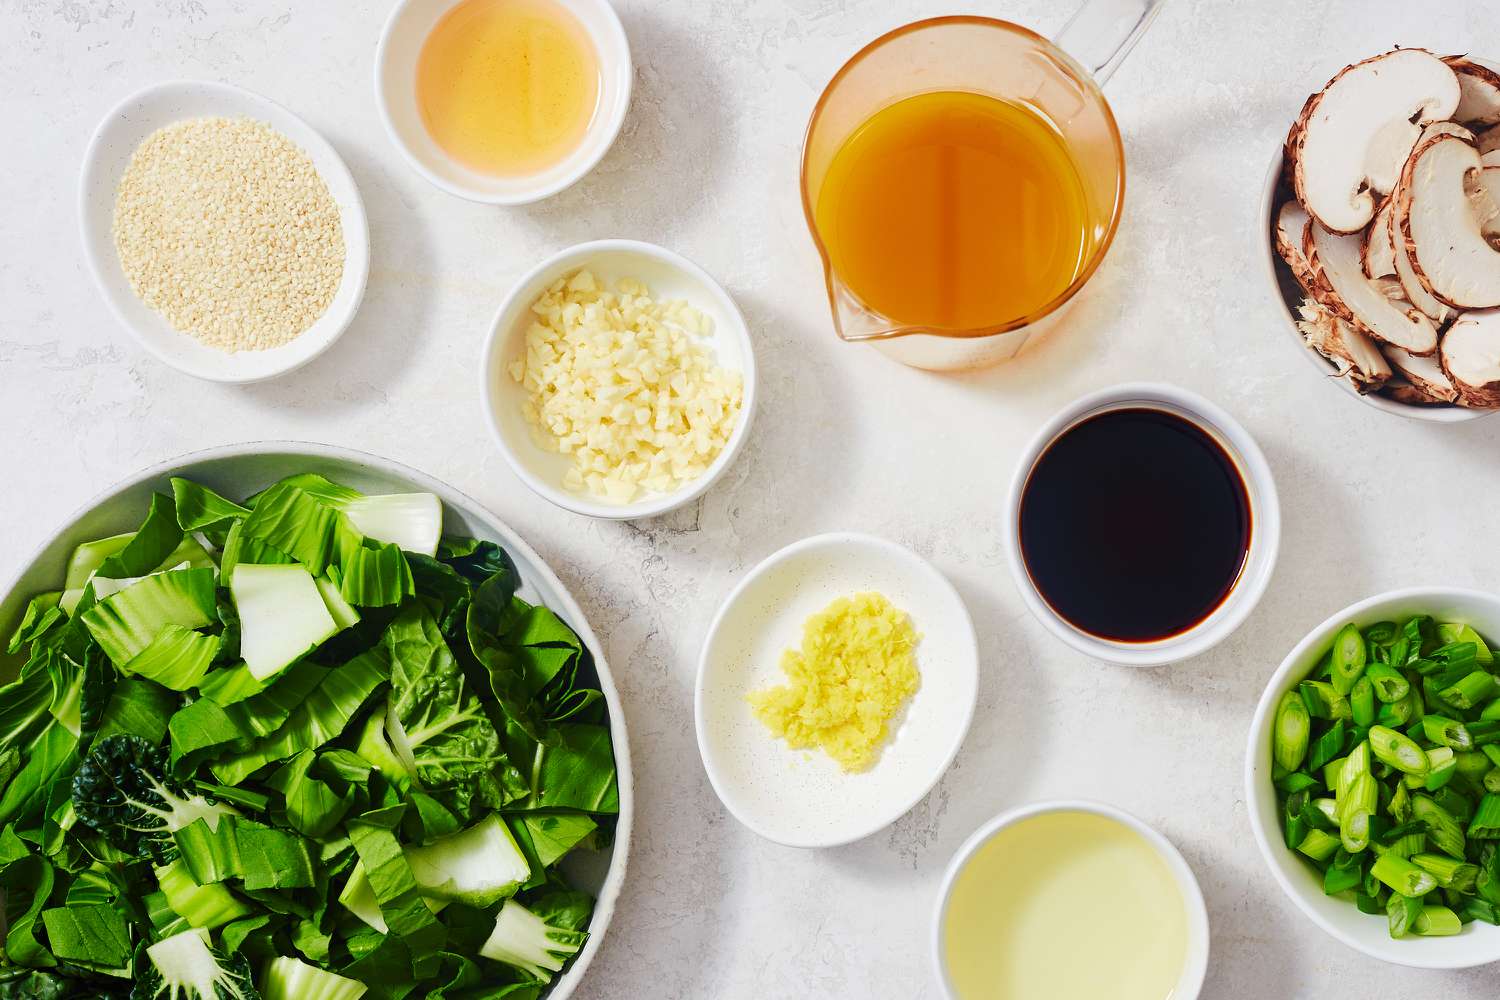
1286,292
401,41
238,470
1479,943
1195,967
109,151
669,276
1265,530
802,798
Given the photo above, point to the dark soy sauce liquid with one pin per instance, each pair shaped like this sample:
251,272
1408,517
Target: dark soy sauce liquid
1135,525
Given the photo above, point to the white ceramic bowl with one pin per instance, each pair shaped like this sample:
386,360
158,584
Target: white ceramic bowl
109,151
1288,294
1479,943
668,276
237,470
1265,520
1195,965
406,30
802,798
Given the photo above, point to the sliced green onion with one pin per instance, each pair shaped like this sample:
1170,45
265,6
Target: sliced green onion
1485,732
1447,732
1326,747
1401,912
1491,711
1442,765
1479,909
1319,845
1387,681
1349,658
1362,702
1289,745
1492,781
1437,921
1397,750
1344,874
1449,872
1447,836
1486,822
1359,804
1402,876
1322,701
1472,691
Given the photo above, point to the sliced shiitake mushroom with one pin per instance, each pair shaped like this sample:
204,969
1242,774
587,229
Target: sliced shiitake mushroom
1340,286
1471,357
1436,221
1425,374
1479,92
1377,256
1351,353
1488,141
1291,230
1353,136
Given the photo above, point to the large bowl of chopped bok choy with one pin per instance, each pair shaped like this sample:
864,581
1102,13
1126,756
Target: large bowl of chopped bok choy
1373,777
293,722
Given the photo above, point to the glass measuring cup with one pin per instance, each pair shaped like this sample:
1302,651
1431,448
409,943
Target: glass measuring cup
997,59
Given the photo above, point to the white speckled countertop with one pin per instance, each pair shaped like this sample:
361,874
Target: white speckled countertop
707,165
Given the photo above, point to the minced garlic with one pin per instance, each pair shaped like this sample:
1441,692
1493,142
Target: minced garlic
224,226
623,385
856,667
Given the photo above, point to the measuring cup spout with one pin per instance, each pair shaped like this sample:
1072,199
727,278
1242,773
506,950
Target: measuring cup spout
1102,33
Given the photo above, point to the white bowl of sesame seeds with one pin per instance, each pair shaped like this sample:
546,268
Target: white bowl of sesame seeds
240,251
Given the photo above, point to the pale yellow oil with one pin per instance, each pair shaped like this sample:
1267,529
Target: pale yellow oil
1065,906
508,87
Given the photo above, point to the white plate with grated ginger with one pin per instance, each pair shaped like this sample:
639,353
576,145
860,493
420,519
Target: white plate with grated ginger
618,379
226,235
802,796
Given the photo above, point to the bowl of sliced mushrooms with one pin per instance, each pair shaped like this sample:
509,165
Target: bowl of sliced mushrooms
1381,216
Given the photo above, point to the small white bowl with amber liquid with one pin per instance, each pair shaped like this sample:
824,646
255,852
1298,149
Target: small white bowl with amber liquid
503,101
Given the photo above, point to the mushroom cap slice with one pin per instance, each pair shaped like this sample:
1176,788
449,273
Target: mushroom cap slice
1436,219
1415,292
1291,230
1350,352
1412,395
1479,91
1485,200
1490,159
1378,255
1488,140
1471,357
1340,286
1426,374
1353,135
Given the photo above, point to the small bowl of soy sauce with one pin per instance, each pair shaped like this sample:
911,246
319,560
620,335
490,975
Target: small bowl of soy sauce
1144,524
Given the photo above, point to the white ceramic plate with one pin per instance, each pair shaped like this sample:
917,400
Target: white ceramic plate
401,42
238,470
802,798
1478,943
109,151
668,276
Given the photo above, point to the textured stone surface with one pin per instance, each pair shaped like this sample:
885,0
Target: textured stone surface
844,439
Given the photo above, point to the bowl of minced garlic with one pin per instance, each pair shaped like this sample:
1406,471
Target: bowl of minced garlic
225,233
619,379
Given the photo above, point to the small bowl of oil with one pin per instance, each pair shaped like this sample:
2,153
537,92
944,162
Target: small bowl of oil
503,101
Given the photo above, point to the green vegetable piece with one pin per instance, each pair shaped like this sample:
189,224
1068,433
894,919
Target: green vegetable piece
206,906
478,866
1360,802
264,857
1442,828
1447,732
178,658
1289,744
125,623
1449,872
1403,877
95,935
401,903
1362,702
282,616
1342,875
1398,750
1453,633
1402,912
185,966
1327,747
201,509
313,808
1437,921
1472,691
1323,702
287,978
1486,822
525,941
1389,685
1319,845
1349,658
1442,765
149,548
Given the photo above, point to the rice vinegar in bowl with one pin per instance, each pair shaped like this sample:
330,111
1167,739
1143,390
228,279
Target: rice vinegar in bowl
1070,901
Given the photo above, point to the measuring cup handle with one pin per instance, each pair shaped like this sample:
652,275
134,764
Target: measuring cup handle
1102,33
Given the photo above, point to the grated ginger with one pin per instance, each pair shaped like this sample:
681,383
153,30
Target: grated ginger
856,668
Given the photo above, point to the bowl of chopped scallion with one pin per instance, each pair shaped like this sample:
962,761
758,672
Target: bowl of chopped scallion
1373,777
